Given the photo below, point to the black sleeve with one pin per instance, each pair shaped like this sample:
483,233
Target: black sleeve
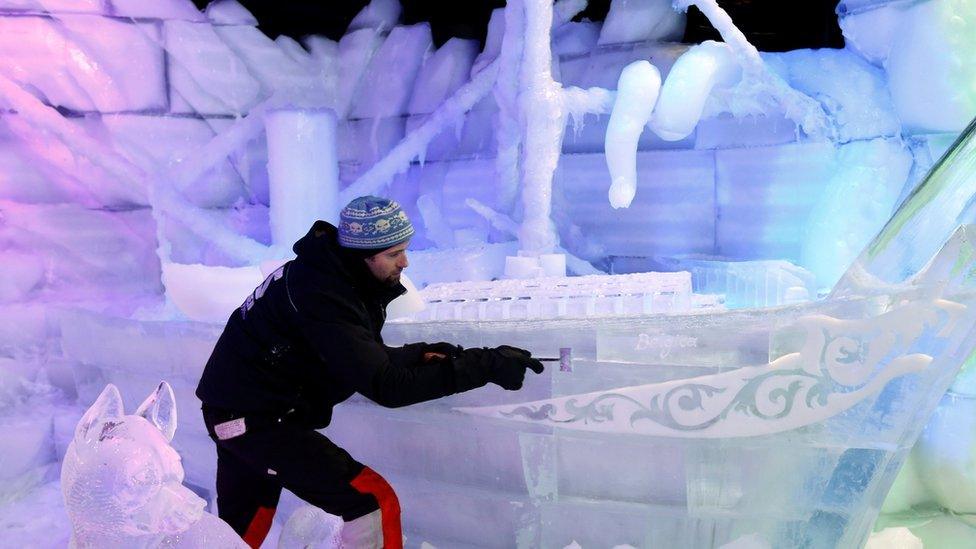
349,353
407,356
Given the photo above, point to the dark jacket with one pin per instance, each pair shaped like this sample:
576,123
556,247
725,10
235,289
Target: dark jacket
309,337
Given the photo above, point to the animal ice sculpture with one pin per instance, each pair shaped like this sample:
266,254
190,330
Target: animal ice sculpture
122,482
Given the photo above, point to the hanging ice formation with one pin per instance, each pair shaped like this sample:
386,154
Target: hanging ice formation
672,110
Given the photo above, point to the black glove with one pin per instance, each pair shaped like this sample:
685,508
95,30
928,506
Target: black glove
449,350
508,369
504,366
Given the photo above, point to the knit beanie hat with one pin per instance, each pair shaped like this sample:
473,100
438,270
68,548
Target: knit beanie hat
373,223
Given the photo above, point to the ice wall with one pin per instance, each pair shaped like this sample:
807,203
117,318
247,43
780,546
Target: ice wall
935,208
127,132
588,54
924,48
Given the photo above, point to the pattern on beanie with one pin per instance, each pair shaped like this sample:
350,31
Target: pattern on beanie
373,223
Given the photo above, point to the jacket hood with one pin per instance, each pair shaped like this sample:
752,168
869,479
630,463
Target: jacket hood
320,249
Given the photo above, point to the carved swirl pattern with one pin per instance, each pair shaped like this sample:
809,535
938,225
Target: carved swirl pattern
680,407
840,363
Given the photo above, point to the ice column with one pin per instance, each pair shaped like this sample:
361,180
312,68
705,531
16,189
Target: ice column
543,120
506,97
303,171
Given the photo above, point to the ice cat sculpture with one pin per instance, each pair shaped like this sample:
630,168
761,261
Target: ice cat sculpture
122,482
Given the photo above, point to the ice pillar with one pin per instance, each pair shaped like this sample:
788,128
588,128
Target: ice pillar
303,171
506,97
541,113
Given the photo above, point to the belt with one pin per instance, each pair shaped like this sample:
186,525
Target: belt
225,424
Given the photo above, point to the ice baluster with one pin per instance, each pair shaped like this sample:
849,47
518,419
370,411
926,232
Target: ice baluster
553,297
756,283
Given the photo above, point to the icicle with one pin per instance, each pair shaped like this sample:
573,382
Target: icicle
579,102
637,92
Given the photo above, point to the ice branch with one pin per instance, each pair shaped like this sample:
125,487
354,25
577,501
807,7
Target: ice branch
161,195
802,109
414,144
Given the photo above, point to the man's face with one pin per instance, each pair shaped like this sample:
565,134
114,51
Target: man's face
387,265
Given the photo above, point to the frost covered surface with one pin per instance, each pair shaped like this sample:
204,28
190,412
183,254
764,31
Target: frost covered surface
859,104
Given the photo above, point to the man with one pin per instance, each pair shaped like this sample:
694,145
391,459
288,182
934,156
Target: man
306,340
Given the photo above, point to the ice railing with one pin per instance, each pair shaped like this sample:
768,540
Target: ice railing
750,283
563,297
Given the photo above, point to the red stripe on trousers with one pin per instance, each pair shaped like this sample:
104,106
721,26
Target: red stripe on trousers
259,527
370,482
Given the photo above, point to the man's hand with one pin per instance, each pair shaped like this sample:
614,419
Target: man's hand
504,366
508,365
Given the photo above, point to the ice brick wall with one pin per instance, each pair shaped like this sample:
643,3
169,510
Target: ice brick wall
100,101
737,187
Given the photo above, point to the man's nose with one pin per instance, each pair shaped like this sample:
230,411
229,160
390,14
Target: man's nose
404,262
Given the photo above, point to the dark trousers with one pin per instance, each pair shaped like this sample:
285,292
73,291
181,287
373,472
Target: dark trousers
275,453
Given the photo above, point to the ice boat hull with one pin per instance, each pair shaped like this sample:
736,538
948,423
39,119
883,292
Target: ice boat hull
601,480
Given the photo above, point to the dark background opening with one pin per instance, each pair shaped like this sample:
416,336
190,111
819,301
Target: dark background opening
771,25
